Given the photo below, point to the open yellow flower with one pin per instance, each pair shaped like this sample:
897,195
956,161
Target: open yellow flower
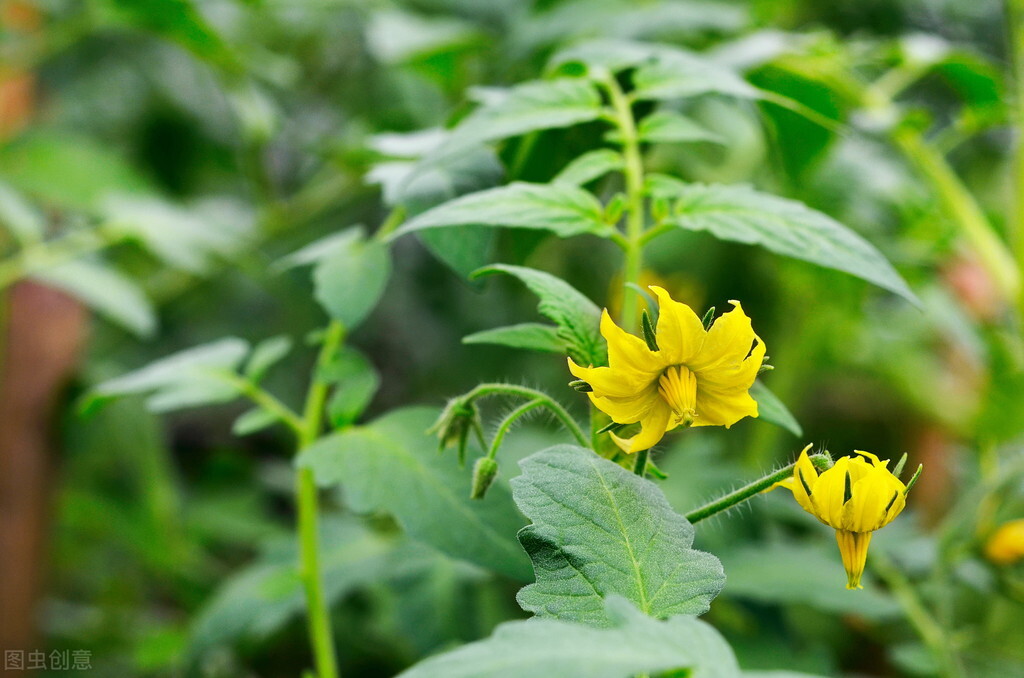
1006,545
857,496
696,377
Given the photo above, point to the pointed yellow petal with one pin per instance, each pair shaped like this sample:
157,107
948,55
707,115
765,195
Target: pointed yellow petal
728,342
611,383
652,429
627,410
680,332
723,407
628,353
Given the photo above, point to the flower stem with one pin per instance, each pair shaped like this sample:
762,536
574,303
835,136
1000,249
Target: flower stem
640,465
492,389
506,424
820,460
264,399
634,174
1015,21
320,634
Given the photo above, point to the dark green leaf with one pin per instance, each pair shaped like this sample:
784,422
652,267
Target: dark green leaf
786,227
771,409
531,336
392,465
548,647
600,530
577,317
561,209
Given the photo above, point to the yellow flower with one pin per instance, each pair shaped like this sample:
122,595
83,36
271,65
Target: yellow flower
694,378
1006,545
857,496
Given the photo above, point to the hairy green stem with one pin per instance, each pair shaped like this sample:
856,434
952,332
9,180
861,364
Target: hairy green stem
640,465
962,208
820,460
264,399
506,424
492,389
635,214
320,634
926,626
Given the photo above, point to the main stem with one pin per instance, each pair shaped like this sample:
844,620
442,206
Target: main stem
634,174
1015,12
822,461
320,634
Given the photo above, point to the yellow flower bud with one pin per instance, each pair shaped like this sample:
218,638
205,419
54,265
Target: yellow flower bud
857,496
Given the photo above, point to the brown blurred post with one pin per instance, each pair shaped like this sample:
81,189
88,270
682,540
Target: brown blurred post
45,333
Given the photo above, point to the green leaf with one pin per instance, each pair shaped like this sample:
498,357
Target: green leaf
530,336
265,355
787,227
590,166
19,217
561,209
577,317
350,279
542,648
530,106
356,383
678,75
392,465
777,674
184,379
106,291
68,170
600,530
771,409
672,127
253,421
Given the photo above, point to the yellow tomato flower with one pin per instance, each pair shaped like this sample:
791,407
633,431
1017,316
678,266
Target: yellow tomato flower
857,496
696,377
1006,545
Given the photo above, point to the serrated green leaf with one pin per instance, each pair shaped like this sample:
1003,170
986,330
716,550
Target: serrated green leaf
771,409
590,166
577,317
265,355
544,648
787,227
530,336
561,209
530,106
112,295
672,127
392,465
350,279
600,530
184,379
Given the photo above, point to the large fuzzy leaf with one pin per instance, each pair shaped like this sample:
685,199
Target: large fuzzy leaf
599,530
548,647
788,227
392,465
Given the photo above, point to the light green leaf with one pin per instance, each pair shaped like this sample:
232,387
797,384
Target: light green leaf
561,209
577,317
183,379
252,421
265,355
530,336
678,74
791,573
392,465
672,127
544,648
600,530
771,409
590,166
530,106
350,279
19,217
356,382
68,170
320,249
106,291
777,674
787,227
